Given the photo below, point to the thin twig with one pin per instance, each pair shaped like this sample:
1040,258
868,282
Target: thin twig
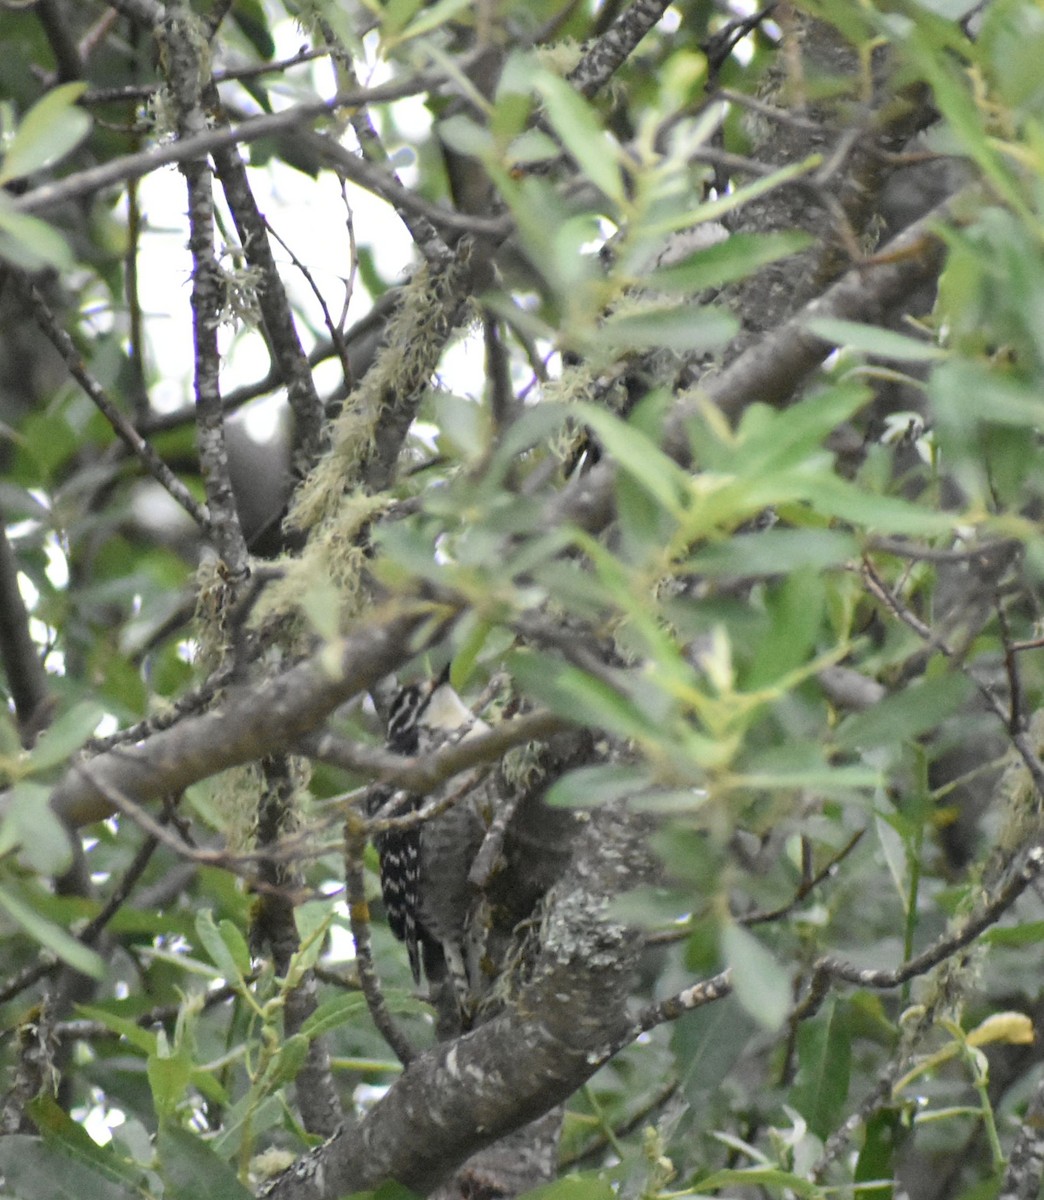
656,1101
335,331
705,992
944,947
134,166
133,440
425,235
423,774
231,74
406,202
359,918
1026,751
806,886
271,297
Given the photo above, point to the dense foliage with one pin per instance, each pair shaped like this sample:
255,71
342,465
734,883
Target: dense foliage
668,374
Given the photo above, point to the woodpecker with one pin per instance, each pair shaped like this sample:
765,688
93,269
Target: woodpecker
424,869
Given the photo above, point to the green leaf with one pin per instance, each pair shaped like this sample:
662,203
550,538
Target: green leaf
59,1129
47,132
1026,934
769,441
824,1067
761,985
795,609
463,424
32,1169
30,243
980,395
724,262
876,1157
66,735
776,552
192,1171
588,786
432,17
50,937
639,456
686,329
249,15
169,1076
895,855
225,945
884,514
465,135
763,1177
904,716
247,1118
286,1064
321,603
32,825
475,631
593,1185
574,694
885,343
139,1038
577,124
334,1012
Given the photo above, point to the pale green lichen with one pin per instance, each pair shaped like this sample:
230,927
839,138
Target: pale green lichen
214,599
332,562
415,340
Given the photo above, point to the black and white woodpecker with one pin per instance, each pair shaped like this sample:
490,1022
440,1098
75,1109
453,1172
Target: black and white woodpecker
424,868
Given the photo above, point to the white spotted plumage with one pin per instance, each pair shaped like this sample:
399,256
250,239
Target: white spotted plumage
424,869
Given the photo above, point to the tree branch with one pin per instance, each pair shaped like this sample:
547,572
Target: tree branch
130,437
253,719
180,43
461,1096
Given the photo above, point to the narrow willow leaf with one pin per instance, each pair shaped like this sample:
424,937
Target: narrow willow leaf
589,786
906,715
762,986
686,329
33,826
192,1171
824,1067
339,1010
168,1076
577,124
31,1168
870,339
639,456
214,943
67,734
30,243
726,261
51,937
47,132
59,1129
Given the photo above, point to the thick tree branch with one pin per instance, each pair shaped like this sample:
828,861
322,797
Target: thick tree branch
771,370
461,1096
253,720
602,60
